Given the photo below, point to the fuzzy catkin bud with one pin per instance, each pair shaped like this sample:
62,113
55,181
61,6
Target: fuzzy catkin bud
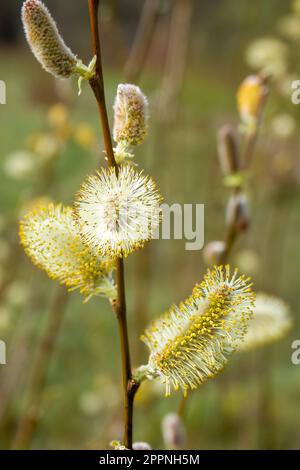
45,41
228,152
238,212
131,115
173,431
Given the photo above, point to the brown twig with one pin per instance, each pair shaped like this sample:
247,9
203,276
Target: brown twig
97,83
29,420
130,387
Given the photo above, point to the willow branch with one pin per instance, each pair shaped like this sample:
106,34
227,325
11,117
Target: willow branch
97,84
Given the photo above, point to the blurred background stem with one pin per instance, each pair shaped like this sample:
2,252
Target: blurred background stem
142,41
29,421
176,60
236,161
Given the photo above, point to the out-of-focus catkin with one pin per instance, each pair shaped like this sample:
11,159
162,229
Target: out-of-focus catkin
213,252
141,446
251,96
173,431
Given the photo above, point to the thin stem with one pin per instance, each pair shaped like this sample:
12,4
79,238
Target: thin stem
249,148
231,237
29,421
130,386
120,310
97,83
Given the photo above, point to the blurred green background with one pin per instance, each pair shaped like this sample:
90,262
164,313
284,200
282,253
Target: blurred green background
191,69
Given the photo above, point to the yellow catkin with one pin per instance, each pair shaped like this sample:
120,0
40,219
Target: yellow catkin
192,341
51,240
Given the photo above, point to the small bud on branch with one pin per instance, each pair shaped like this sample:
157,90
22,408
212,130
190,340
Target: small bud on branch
131,120
238,212
228,151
